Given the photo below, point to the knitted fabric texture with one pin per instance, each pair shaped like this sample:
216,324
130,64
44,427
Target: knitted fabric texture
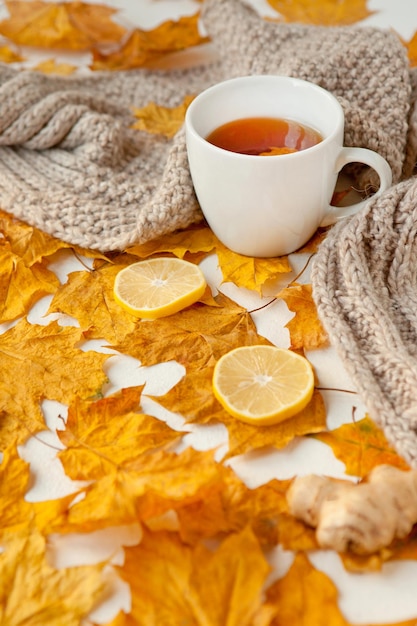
71,165
365,287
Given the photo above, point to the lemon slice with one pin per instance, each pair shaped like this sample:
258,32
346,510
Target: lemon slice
158,287
263,385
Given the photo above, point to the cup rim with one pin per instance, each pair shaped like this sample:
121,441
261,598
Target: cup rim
190,127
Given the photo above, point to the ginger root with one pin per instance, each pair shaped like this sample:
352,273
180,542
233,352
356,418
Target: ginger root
362,517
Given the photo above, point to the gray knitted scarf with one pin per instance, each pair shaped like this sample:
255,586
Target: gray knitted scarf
71,165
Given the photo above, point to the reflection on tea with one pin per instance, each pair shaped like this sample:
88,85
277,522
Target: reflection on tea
264,136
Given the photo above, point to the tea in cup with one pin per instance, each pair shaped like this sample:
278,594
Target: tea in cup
264,154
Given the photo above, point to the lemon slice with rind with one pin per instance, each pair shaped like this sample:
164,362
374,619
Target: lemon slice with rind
158,287
262,384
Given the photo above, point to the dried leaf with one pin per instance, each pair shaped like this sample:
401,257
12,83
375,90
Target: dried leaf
251,273
21,286
305,595
244,437
144,488
230,506
193,240
157,119
305,591
145,46
411,46
50,66
195,337
102,437
306,330
322,12
88,296
361,446
15,512
67,25
205,587
33,592
193,398
7,55
41,362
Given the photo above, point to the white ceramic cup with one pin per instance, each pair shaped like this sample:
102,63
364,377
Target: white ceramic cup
266,206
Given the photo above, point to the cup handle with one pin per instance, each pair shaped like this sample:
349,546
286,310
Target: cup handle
368,157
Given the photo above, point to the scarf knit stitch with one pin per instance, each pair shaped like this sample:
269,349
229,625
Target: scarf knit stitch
72,166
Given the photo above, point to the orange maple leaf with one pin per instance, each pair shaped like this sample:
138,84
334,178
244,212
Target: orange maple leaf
306,330
411,46
222,586
322,12
67,25
361,446
145,46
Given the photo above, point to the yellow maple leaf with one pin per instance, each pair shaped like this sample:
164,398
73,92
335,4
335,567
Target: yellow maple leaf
322,12
306,330
27,242
249,272
195,337
15,511
21,286
411,46
41,362
245,437
88,297
361,446
67,25
145,46
145,488
193,240
157,119
193,398
7,55
217,587
50,66
34,592
102,436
